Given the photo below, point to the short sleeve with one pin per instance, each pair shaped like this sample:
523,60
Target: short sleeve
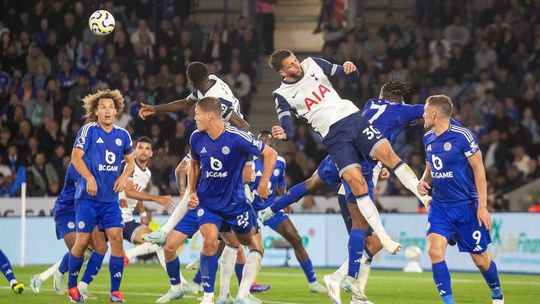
194,153
128,144
194,95
247,143
468,143
83,137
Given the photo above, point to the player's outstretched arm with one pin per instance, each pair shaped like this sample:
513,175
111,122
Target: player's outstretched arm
269,157
77,161
348,70
238,122
121,182
164,200
142,212
475,161
173,106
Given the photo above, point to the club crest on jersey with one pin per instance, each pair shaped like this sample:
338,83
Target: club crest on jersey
312,75
118,142
447,146
319,97
225,150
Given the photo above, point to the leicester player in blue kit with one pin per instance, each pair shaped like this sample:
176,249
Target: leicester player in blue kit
97,154
219,153
64,218
280,222
7,271
458,210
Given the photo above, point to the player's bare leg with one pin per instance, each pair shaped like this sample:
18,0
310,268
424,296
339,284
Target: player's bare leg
488,269
59,285
359,188
287,230
175,240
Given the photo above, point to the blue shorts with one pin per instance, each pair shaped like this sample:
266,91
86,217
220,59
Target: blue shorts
241,221
328,172
459,223
130,230
65,223
276,220
189,224
90,213
351,140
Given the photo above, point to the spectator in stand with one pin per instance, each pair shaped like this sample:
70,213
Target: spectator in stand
36,58
240,85
45,175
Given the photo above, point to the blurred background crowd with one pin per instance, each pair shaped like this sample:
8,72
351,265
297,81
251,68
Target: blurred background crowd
484,54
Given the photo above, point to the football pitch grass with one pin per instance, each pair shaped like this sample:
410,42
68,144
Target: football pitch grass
146,283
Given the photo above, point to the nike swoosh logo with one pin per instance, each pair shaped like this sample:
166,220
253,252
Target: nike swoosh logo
295,95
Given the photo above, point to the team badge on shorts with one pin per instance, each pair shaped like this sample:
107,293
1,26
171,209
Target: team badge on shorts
447,146
276,172
200,212
225,150
118,142
71,225
81,225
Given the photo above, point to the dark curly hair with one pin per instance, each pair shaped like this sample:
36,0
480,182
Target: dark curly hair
395,90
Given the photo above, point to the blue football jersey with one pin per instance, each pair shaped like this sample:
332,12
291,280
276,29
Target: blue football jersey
391,118
103,155
221,185
65,202
276,180
451,174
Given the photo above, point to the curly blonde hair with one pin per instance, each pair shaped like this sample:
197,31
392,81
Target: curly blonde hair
91,101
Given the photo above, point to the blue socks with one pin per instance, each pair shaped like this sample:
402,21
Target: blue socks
74,266
492,279
356,248
307,267
116,269
64,264
293,195
92,267
441,276
238,269
197,279
209,265
173,270
5,266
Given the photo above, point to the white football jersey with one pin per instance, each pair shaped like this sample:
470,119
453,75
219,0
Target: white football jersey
220,90
313,98
140,180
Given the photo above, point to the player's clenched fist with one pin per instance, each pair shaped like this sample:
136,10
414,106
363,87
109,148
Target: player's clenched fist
146,110
193,201
278,133
263,191
349,67
91,186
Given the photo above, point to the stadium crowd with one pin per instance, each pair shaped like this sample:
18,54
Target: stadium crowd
485,55
49,60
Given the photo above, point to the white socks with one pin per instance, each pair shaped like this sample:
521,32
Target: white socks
371,214
251,269
341,272
177,215
363,274
226,269
407,177
49,272
142,249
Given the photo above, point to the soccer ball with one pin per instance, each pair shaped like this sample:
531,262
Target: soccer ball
101,23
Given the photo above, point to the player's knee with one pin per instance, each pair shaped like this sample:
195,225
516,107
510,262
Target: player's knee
169,251
386,155
436,254
101,248
482,261
210,246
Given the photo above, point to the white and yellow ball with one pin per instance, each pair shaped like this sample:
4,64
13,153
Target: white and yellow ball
101,23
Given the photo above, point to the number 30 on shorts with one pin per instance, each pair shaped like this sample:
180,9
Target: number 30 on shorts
243,219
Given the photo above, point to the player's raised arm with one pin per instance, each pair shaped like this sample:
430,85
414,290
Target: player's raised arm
348,70
77,161
238,121
173,106
285,130
481,187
